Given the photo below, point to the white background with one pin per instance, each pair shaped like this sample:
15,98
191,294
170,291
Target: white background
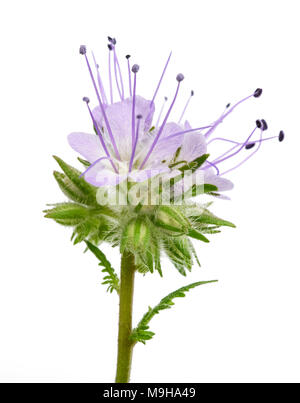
57,322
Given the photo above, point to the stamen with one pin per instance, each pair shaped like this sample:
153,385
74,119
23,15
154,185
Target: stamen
258,123
102,108
157,88
264,124
187,131
118,71
110,48
220,159
179,78
129,74
281,136
160,80
256,94
86,100
186,105
112,40
101,87
238,143
249,146
139,117
161,111
135,69
246,159
82,50
214,166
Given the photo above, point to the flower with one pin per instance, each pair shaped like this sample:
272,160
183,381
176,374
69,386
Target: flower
128,146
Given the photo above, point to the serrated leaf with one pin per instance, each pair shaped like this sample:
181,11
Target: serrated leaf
112,278
141,332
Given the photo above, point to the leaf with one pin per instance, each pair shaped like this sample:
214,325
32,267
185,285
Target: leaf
141,332
209,218
68,213
74,176
194,252
195,164
197,235
70,190
198,190
111,279
85,163
179,254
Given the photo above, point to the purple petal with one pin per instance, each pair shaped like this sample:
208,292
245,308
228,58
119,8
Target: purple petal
193,146
166,148
88,145
99,176
221,183
119,116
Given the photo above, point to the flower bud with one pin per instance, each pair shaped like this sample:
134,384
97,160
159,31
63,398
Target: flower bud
172,220
136,235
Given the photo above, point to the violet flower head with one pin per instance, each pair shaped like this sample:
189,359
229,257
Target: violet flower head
128,146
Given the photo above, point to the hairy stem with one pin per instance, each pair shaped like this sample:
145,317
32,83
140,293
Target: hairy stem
125,345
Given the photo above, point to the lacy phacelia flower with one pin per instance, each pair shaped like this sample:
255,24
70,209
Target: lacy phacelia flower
128,146
128,152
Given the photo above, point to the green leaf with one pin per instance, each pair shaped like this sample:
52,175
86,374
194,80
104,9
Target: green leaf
141,332
197,235
70,190
74,176
68,213
200,189
83,230
195,164
194,252
111,279
209,218
85,163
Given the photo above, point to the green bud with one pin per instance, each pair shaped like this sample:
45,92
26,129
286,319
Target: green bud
136,235
172,220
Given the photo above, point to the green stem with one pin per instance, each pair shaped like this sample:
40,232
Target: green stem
125,345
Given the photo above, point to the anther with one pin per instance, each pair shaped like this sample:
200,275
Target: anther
135,68
139,117
227,106
180,77
86,99
82,50
249,146
264,124
281,136
192,93
110,47
258,123
257,92
128,57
